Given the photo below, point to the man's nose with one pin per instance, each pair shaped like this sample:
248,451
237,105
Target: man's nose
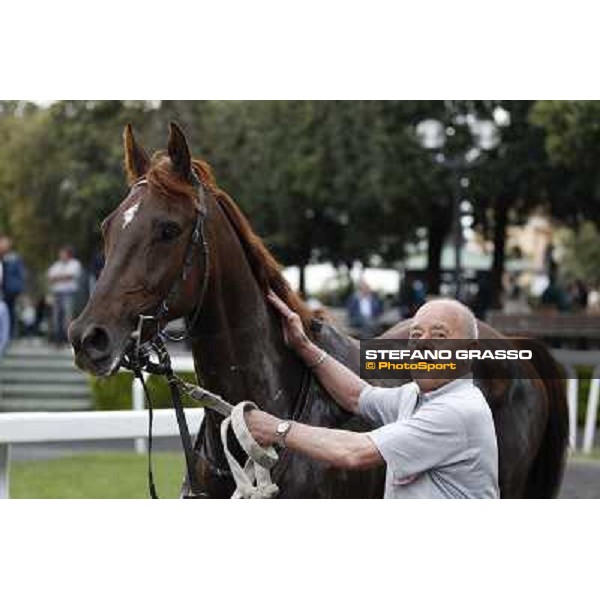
425,342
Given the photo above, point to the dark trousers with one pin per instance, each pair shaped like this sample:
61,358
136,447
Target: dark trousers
11,304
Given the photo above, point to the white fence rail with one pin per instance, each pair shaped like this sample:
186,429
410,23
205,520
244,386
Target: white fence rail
42,427
581,358
19,428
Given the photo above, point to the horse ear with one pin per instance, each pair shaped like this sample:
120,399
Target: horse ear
179,152
136,159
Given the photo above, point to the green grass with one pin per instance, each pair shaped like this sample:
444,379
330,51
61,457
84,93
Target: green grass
595,455
109,475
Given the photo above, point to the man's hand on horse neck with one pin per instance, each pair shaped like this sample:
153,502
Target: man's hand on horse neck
341,449
343,385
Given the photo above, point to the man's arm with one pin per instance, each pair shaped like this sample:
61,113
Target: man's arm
341,449
343,384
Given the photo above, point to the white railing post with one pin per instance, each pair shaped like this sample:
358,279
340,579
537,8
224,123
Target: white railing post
585,358
138,400
572,397
592,412
138,403
4,471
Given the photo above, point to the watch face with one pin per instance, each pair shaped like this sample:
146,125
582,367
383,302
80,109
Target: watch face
283,427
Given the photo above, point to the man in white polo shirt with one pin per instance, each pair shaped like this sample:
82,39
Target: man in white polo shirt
436,437
63,279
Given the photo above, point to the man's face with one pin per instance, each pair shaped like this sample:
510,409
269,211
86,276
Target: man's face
4,246
436,321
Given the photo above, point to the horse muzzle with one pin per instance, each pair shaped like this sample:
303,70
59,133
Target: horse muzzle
97,350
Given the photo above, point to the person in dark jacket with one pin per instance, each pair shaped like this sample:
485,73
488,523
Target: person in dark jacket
13,279
364,309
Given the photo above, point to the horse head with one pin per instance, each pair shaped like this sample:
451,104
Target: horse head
149,254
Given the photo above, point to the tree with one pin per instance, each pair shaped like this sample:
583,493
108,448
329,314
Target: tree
581,252
314,177
62,172
512,179
572,142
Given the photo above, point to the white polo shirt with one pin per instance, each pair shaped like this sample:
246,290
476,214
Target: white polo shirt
69,271
441,444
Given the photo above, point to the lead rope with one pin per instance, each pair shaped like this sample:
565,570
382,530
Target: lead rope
253,480
151,485
184,433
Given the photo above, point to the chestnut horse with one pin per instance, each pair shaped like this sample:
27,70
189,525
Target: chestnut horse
237,341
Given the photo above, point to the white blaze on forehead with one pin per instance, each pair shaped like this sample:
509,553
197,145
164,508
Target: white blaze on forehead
129,214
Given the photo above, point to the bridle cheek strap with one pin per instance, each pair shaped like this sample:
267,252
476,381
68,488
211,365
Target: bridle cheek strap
137,359
197,240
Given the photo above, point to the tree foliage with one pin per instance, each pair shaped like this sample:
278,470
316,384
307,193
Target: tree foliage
338,181
581,248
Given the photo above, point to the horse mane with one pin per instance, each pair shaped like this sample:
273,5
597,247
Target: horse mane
266,269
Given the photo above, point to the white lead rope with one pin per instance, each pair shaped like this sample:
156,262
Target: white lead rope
253,480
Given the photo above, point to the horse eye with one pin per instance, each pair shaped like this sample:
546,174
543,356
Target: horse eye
169,230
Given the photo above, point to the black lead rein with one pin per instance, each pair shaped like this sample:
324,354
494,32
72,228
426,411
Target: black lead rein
137,358
163,368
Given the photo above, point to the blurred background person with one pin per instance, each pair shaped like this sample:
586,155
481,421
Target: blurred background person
412,295
13,279
515,298
578,295
27,317
63,277
554,298
4,326
95,268
364,309
593,302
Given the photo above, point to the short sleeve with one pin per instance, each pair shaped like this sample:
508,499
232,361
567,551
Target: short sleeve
75,268
381,405
434,436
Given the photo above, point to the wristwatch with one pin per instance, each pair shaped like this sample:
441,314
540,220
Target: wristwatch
282,430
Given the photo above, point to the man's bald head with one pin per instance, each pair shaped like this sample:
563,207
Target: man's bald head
444,317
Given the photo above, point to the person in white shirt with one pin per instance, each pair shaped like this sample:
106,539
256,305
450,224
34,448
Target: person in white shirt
63,279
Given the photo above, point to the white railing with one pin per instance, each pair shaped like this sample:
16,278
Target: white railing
184,363
581,358
39,427
111,425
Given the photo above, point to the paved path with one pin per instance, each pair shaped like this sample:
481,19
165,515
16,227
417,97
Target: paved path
582,479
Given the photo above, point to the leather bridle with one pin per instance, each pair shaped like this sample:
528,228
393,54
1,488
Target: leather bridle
197,240
137,355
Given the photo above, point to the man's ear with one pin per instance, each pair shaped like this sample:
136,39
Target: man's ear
473,345
136,159
179,152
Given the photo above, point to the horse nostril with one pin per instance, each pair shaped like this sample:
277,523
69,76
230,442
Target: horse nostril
96,342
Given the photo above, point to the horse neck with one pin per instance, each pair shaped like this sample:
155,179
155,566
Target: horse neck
237,344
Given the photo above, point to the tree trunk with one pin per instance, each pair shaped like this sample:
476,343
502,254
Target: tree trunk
302,280
498,260
439,226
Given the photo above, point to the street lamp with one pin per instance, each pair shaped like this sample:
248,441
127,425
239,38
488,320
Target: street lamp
484,136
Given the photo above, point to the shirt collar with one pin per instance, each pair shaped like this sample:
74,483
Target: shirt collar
451,386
